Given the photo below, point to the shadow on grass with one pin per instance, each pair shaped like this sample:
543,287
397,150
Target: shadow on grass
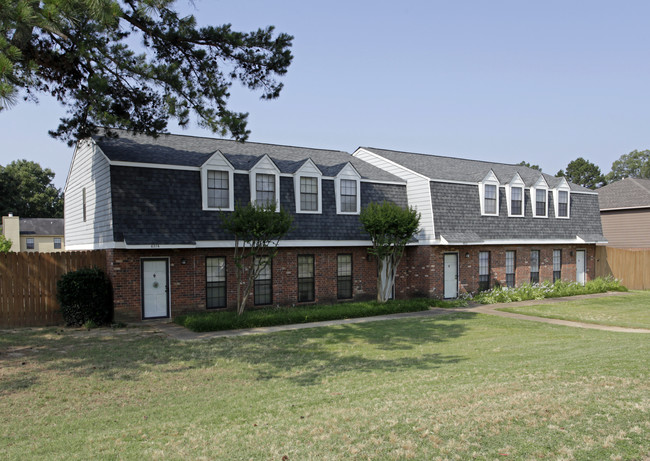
305,357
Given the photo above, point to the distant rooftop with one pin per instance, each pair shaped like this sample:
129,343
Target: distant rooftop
627,193
41,226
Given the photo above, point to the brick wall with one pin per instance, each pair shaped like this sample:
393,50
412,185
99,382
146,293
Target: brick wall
420,273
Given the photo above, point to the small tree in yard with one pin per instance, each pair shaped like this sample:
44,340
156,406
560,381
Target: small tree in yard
257,230
390,227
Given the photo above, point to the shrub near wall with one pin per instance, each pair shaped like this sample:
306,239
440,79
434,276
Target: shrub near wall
543,290
85,295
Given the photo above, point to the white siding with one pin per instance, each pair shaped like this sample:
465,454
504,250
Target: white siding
418,191
90,169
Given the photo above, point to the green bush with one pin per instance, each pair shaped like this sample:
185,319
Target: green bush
270,316
543,290
85,297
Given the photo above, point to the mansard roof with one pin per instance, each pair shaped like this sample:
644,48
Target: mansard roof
442,168
193,151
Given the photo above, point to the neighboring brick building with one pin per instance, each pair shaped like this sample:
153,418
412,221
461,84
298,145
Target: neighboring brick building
155,205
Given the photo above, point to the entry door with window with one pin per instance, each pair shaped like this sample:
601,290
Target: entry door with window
155,288
451,275
580,267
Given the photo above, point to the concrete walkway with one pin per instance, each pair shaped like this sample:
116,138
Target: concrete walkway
181,333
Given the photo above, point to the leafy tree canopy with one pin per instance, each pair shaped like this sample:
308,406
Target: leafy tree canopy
82,52
257,230
390,228
636,164
524,163
5,244
583,173
26,190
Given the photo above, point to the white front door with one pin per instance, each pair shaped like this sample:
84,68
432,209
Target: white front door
451,275
580,267
154,289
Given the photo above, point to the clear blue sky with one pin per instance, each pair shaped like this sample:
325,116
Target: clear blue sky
506,81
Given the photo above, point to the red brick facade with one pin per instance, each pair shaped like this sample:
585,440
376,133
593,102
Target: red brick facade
420,273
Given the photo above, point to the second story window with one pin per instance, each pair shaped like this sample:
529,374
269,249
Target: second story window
218,189
57,243
516,201
264,189
348,196
490,206
540,202
308,194
29,243
563,204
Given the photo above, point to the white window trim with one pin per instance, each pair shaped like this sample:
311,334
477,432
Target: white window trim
265,166
489,180
516,182
217,162
563,187
350,173
308,170
541,184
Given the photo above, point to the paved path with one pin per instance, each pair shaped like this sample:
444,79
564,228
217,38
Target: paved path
181,333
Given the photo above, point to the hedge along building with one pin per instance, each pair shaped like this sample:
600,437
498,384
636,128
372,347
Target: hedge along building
155,204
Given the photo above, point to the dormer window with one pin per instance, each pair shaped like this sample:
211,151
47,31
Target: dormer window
217,183
515,196
307,184
489,195
540,202
516,201
539,196
562,196
562,204
308,194
265,183
264,189
348,191
490,206
218,189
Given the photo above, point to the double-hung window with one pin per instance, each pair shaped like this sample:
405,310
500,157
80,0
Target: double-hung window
490,199
218,189
264,189
516,201
510,268
344,276
348,196
483,270
305,278
29,242
308,193
563,204
57,243
534,266
215,282
541,196
557,265
263,282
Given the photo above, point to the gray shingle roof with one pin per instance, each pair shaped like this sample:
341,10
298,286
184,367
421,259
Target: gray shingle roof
184,150
627,193
41,226
465,170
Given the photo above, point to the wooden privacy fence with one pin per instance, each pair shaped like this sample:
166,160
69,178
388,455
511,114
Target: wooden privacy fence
631,267
28,285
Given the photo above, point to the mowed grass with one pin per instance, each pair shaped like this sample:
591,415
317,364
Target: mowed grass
459,386
630,310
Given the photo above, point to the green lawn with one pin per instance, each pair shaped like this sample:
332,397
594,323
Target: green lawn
629,310
461,386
